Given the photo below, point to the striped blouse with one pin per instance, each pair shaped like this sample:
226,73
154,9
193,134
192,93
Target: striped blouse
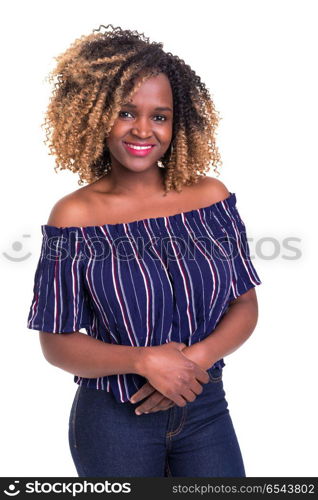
142,283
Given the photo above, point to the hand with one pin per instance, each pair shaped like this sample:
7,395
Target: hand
170,372
197,353
155,401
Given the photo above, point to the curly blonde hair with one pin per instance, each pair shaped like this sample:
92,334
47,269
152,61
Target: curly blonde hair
92,79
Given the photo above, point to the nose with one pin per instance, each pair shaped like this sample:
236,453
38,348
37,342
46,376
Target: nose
142,127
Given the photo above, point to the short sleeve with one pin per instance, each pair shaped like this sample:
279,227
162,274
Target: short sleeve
244,274
60,302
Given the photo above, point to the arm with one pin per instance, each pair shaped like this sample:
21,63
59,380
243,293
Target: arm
87,357
236,325
232,331
76,352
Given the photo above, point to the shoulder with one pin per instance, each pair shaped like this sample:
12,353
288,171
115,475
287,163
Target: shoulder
70,210
211,190
79,207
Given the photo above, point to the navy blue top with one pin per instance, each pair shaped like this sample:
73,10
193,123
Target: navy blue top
142,283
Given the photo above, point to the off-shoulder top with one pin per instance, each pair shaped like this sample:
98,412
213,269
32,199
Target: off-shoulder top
142,283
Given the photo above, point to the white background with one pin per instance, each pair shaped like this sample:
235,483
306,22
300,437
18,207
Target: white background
259,60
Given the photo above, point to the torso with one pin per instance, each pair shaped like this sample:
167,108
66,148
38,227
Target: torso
103,207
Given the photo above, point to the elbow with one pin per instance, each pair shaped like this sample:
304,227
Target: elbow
49,358
51,345
46,347
249,304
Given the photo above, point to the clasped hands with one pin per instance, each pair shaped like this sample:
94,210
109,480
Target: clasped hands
155,400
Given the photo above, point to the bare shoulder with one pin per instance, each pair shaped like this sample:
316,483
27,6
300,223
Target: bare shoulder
71,210
77,208
212,190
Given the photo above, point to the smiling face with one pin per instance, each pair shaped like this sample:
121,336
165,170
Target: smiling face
145,120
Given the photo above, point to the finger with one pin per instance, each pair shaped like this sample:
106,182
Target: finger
178,399
142,393
202,375
162,406
196,387
164,403
189,395
150,402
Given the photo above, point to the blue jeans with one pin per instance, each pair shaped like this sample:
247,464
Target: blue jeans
107,438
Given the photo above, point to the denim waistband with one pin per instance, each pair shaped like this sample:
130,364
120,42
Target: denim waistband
216,368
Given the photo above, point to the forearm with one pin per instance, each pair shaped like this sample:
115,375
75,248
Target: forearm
232,331
87,357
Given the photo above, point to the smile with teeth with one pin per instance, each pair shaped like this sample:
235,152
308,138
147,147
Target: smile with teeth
138,147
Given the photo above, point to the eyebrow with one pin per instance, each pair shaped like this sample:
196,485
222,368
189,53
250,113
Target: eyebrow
160,108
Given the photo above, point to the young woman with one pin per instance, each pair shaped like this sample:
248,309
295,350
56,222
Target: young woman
150,258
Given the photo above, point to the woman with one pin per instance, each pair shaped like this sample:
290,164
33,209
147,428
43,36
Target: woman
152,262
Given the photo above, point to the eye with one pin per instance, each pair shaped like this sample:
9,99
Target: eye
161,116
121,113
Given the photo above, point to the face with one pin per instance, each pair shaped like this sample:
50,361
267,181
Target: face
145,120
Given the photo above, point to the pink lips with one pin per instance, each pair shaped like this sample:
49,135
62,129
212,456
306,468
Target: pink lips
138,152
